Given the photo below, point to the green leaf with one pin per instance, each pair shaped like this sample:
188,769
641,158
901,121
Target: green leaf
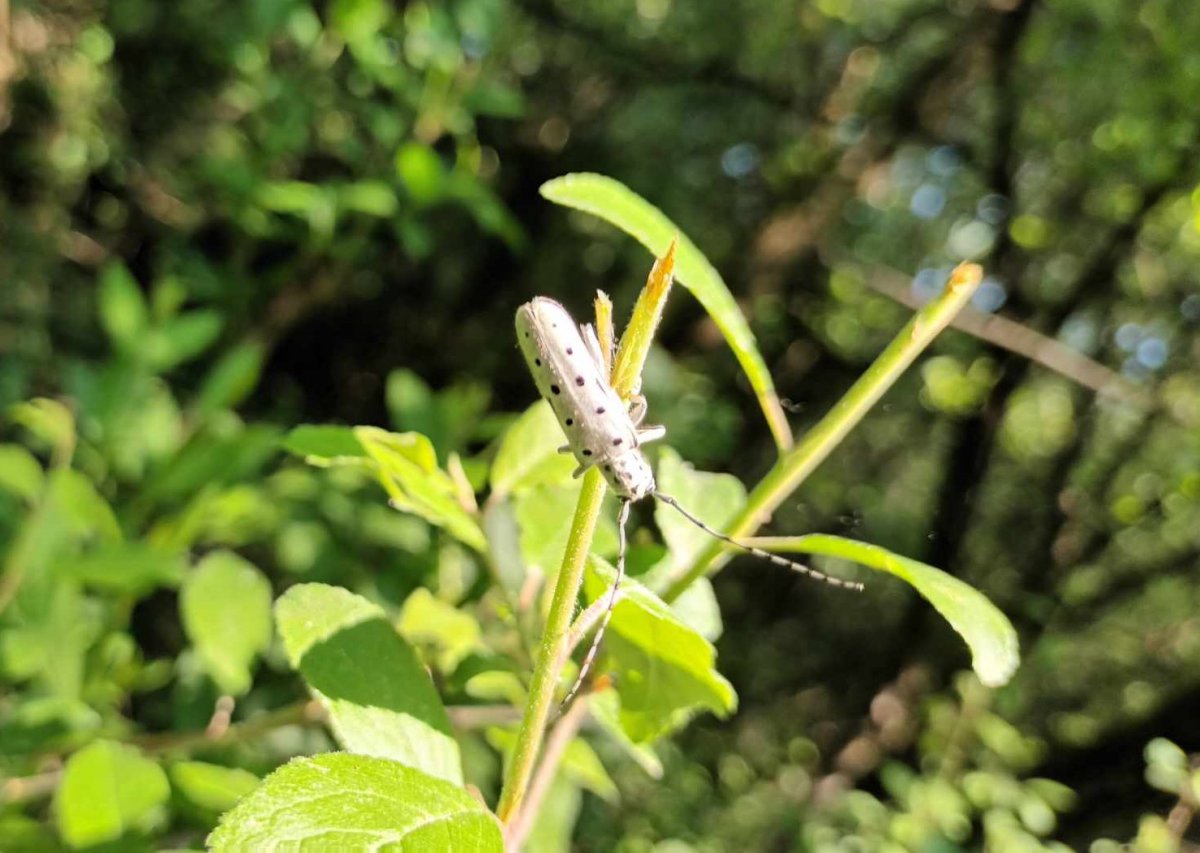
544,516
528,454
211,787
83,508
231,379
988,633
122,306
613,202
49,421
428,620
378,695
355,802
132,568
605,710
183,338
713,498
108,789
226,608
665,670
411,403
323,442
374,198
20,472
408,472
422,172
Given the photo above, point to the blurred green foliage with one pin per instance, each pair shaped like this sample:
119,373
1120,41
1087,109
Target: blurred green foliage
222,220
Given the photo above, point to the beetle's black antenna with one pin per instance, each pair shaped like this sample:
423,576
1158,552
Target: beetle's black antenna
622,519
758,552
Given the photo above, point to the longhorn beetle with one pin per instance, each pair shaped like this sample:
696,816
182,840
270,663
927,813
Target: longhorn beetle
570,372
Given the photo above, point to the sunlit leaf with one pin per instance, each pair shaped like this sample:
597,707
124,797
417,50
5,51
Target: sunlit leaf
323,442
132,568
613,202
713,498
408,470
987,632
108,789
225,604
378,695
356,802
425,620
211,787
665,671
122,306
528,454
20,472
231,379
48,420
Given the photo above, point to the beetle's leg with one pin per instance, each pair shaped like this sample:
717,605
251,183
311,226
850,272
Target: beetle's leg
653,433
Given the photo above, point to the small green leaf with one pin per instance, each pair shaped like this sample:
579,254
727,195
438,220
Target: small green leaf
411,403
544,516
665,670
528,454
605,709
374,198
212,787
20,472
132,568
422,172
713,498
231,379
108,789
83,508
183,338
378,695
425,620
409,473
355,802
323,442
122,306
49,421
615,203
988,633
226,608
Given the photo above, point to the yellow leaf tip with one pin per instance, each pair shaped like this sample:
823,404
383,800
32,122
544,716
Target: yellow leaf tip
965,275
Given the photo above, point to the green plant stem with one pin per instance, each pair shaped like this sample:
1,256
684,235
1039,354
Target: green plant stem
793,467
550,658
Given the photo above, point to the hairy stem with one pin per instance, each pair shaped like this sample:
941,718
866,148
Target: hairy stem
554,639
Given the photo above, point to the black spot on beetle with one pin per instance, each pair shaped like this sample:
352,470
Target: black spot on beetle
608,468
599,410
570,351
538,362
570,422
587,452
617,442
554,389
579,381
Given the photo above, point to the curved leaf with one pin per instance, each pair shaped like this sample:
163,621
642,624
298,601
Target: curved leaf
226,607
987,632
665,670
355,802
378,695
108,789
528,454
615,203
